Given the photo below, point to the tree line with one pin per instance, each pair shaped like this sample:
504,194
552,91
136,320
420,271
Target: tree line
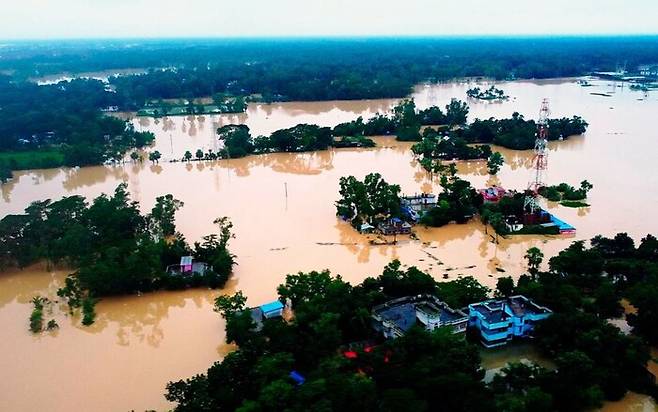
321,69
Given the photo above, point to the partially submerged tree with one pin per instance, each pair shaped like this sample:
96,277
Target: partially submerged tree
534,256
363,201
495,162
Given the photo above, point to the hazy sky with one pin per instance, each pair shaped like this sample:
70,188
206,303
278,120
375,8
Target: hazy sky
220,18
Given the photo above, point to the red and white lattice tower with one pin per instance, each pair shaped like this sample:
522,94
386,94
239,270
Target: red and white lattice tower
539,161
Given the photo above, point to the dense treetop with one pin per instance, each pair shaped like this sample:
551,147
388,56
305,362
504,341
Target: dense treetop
425,371
318,69
518,133
114,247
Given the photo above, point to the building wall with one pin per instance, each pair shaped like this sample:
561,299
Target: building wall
273,313
499,332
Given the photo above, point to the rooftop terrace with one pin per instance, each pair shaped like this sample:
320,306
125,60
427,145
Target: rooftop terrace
402,313
495,311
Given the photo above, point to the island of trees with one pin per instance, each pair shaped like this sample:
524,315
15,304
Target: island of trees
405,123
115,249
373,200
446,135
424,371
518,133
566,194
492,93
369,201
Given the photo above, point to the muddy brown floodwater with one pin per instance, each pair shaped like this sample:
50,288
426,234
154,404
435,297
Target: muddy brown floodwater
139,343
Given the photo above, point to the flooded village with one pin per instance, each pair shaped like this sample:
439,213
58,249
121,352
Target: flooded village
284,217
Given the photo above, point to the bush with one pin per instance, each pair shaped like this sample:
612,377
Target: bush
88,311
36,318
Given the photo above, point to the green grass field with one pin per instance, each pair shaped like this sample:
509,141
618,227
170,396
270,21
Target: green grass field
32,159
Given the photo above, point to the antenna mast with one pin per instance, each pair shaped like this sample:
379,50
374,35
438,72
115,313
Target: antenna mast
539,161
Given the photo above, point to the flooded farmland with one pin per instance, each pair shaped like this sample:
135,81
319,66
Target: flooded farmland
140,343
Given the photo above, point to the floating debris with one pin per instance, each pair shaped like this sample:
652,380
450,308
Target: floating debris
436,259
382,242
335,244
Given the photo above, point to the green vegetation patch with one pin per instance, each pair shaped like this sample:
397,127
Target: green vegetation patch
330,358
32,159
574,203
567,193
491,93
116,249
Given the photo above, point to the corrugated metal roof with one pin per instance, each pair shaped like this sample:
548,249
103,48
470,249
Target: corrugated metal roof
272,306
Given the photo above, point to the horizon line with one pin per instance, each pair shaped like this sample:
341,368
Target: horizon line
339,37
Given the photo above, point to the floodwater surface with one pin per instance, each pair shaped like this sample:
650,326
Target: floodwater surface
284,220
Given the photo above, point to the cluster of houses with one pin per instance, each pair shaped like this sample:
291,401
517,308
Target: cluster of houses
495,194
496,321
413,207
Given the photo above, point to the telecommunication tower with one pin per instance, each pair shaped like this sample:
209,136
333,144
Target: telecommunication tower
539,161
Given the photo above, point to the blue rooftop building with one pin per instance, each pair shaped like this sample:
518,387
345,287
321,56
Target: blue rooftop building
395,317
266,311
272,309
500,321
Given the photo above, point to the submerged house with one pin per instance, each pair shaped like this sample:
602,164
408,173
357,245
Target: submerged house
266,311
421,202
394,226
500,321
493,194
395,317
187,267
366,228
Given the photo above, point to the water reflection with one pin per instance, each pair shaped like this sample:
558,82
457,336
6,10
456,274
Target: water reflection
21,285
77,178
